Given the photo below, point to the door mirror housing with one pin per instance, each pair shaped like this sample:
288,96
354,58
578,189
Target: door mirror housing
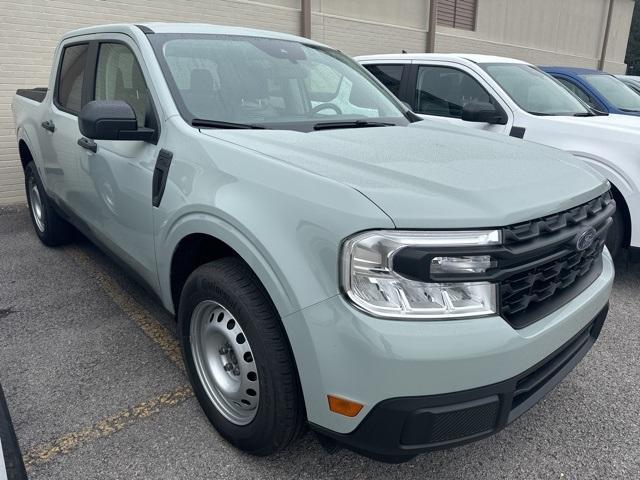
483,112
112,120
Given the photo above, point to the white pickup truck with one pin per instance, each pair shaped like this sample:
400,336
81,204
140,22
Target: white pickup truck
511,97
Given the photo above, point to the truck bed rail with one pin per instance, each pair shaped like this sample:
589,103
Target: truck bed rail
36,94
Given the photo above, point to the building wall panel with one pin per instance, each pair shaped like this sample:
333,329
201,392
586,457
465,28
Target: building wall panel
30,31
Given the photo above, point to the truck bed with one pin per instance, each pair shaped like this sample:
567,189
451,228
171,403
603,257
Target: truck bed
37,93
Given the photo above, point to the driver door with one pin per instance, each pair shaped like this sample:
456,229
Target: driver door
118,175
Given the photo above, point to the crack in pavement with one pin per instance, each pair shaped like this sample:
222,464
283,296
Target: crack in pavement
105,427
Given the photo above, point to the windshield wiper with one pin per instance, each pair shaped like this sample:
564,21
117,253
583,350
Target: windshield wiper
350,124
199,122
584,114
629,110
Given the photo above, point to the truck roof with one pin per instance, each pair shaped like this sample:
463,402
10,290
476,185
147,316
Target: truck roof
194,28
572,70
442,56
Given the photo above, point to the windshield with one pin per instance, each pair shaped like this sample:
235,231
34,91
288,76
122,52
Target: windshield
534,91
270,83
616,92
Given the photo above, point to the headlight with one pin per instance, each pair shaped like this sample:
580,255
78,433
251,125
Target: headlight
370,282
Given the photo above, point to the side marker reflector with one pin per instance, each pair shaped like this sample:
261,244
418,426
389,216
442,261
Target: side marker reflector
345,407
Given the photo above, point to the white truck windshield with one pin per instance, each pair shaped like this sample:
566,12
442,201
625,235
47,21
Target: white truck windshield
534,91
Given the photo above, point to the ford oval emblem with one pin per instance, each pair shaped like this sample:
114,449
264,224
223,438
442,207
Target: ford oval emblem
585,239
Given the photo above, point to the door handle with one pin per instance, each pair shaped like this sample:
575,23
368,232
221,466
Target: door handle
88,144
48,125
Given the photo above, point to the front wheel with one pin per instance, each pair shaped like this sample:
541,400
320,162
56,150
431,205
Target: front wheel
238,358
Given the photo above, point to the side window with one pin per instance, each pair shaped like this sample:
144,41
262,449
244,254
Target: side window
71,77
444,91
389,75
118,77
578,92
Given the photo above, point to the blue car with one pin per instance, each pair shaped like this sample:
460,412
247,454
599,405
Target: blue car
599,90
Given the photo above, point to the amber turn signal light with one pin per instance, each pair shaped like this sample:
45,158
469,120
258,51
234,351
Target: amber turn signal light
345,407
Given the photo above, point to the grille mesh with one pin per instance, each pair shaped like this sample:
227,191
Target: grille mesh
563,273
539,284
464,423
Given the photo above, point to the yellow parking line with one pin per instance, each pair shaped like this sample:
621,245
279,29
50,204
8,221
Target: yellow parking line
105,427
114,423
154,330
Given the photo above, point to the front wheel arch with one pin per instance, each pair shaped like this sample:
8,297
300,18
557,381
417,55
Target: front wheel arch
621,204
221,237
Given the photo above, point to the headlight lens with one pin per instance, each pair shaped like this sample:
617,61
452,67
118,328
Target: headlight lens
369,281
463,264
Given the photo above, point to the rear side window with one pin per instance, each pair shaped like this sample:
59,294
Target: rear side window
71,77
389,75
444,91
119,77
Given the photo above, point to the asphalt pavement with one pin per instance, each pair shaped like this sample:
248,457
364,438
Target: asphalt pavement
96,389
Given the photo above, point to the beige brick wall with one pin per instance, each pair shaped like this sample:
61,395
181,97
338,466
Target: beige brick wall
453,43
30,31
360,27
557,32
565,32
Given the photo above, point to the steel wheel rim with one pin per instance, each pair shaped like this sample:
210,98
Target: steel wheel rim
224,362
36,204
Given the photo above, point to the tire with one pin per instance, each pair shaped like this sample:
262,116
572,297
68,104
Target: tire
224,303
50,227
616,234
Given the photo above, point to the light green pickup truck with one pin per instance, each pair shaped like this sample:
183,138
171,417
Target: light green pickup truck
395,284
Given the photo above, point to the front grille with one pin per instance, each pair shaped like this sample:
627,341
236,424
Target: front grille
554,271
540,265
540,283
545,226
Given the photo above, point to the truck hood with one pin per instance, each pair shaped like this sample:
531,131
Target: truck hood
626,124
617,120
428,175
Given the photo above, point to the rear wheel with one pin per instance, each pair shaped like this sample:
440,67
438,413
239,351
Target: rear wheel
238,358
50,227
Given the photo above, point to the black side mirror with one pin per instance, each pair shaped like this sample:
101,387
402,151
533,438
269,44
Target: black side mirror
483,112
111,120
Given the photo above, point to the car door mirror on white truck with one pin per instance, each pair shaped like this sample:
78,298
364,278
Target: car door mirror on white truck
484,112
112,120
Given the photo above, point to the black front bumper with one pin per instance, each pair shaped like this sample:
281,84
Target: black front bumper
399,428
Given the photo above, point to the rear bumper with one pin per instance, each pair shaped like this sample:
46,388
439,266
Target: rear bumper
403,427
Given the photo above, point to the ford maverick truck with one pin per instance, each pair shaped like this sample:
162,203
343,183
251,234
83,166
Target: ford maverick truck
333,261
